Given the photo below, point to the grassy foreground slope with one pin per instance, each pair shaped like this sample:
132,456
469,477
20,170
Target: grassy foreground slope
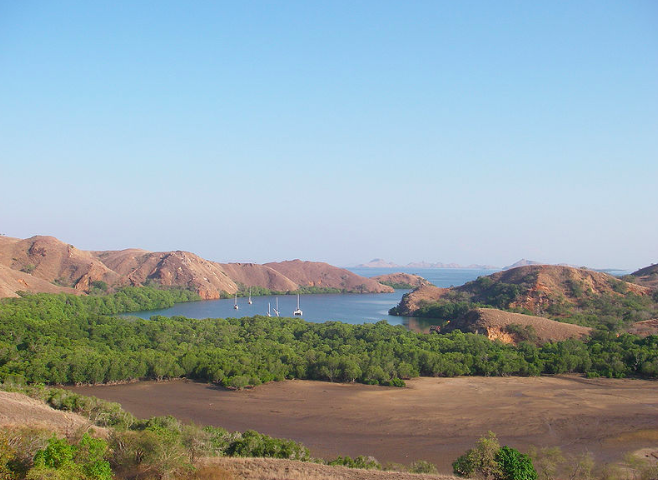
161,447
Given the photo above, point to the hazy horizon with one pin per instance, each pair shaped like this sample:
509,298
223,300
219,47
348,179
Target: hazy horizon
459,132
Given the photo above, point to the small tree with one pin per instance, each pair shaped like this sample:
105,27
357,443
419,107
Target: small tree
480,460
488,460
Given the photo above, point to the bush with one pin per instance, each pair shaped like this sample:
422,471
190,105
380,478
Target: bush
421,466
515,465
367,463
489,460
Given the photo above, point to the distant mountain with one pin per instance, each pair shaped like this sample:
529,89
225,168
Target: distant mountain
379,263
522,263
46,264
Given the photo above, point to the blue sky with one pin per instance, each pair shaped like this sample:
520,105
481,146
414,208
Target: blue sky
470,132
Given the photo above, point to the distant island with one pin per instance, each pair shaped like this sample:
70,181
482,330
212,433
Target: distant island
380,263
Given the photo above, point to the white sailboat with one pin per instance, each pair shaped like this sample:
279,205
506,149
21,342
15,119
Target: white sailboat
250,302
268,310
276,309
235,304
297,312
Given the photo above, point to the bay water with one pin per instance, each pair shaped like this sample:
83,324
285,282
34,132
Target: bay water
348,308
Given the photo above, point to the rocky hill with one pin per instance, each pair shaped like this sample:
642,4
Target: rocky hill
558,292
46,264
401,280
512,328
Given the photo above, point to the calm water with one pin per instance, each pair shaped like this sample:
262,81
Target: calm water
348,308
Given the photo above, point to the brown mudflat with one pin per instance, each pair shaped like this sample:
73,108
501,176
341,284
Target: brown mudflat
433,419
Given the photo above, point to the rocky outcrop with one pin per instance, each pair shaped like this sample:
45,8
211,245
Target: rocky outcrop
45,264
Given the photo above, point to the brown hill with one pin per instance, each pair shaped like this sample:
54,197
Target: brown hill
401,279
317,274
46,264
49,259
540,289
495,324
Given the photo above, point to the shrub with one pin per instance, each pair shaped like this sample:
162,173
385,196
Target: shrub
489,461
421,466
515,465
367,463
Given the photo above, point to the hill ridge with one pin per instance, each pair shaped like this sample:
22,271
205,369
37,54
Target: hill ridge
46,264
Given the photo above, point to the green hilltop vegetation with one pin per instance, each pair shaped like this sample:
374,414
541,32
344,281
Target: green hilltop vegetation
67,339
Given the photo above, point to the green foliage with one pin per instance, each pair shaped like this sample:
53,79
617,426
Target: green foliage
480,460
254,444
59,339
515,465
489,460
61,459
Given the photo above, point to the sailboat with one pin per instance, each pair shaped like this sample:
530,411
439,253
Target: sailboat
297,312
276,309
268,310
250,302
235,305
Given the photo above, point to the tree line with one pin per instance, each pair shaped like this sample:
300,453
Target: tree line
66,339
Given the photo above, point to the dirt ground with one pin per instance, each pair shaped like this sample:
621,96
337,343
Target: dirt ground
433,419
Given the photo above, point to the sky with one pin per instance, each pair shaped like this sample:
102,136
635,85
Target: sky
335,131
